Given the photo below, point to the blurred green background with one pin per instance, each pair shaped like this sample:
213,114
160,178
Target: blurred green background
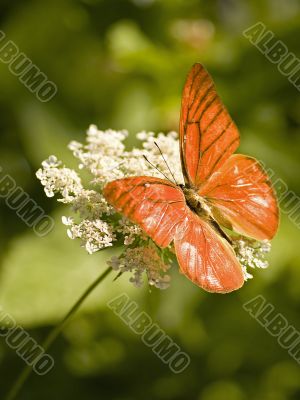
122,64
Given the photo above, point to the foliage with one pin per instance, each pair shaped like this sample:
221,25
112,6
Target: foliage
121,64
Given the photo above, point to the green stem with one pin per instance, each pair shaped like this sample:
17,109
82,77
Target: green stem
53,335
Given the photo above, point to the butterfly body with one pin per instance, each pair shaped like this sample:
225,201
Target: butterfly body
203,210
221,190
196,202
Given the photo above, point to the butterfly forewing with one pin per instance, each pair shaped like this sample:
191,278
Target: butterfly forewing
208,136
156,205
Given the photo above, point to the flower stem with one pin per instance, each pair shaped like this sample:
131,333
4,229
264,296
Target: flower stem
53,335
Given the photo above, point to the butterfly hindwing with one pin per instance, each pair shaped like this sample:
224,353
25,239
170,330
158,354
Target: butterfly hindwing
205,258
243,195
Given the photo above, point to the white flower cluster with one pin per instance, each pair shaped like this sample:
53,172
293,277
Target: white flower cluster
58,179
251,253
94,235
130,231
97,224
105,156
143,259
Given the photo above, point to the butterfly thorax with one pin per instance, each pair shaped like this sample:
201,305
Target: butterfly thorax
200,206
196,202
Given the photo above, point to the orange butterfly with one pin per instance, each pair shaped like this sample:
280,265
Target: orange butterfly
220,190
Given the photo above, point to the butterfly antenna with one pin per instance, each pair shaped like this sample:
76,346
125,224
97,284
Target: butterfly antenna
152,165
112,168
161,153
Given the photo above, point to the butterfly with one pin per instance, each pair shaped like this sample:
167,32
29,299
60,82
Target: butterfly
221,191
